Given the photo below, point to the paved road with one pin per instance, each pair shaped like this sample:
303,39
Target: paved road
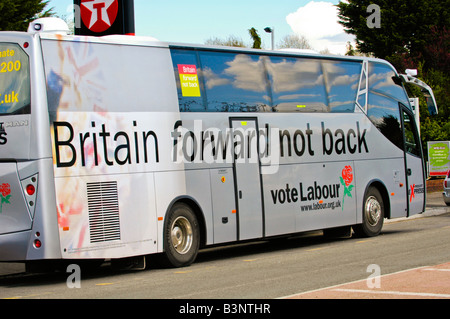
430,282
268,269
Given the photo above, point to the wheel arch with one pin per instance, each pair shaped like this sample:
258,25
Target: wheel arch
195,206
381,187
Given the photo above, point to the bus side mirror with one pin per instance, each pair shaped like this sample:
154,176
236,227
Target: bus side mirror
411,72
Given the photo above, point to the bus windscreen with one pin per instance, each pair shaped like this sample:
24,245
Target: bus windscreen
14,80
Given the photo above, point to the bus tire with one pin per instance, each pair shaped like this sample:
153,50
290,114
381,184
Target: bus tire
181,236
373,214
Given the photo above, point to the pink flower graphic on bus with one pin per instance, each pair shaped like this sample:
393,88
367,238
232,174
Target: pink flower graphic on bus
5,194
346,181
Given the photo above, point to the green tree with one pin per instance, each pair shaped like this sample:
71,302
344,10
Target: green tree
413,34
256,38
405,25
15,15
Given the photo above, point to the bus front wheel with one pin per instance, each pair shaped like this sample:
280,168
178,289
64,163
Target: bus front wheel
181,236
373,214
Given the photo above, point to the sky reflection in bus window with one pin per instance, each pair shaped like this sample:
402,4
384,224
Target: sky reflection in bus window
342,79
188,102
234,82
241,82
381,81
313,85
384,96
297,85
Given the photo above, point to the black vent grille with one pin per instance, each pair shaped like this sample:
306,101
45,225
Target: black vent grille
103,206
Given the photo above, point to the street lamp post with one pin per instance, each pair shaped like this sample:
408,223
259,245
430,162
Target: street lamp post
272,34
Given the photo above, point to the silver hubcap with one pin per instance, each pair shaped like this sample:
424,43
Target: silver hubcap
373,210
181,234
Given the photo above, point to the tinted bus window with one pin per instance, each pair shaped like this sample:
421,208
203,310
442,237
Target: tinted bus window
383,105
412,139
189,82
297,85
313,85
235,82
341,81
381,80
384,114
217,81
14,80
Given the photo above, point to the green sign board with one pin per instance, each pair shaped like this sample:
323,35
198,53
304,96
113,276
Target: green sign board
439,158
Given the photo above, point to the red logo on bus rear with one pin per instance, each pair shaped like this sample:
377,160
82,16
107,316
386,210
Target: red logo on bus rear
5,195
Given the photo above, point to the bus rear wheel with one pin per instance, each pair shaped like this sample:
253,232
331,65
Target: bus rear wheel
373,214
181,236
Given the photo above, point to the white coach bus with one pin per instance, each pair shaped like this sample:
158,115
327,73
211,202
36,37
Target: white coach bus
115,147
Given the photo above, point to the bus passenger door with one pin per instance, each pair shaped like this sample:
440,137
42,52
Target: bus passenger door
247,172
415,169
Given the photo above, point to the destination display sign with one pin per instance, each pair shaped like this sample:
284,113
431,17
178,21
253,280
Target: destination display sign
14,79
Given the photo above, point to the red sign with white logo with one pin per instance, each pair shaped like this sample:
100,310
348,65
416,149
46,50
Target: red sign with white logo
99,15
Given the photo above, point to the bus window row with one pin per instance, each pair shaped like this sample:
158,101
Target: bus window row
222,81
219,81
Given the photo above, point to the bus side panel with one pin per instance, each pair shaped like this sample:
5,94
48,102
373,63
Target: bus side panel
170,185
112,109
310,196
391,174
386,166
326,163
224,205
184,185
106,216
204,146
198,187
280,213
116,157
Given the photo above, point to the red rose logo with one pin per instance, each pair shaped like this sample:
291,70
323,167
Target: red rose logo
5,194
347,175
346,180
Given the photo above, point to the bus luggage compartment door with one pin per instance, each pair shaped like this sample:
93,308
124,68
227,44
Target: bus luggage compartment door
14,214
248,178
